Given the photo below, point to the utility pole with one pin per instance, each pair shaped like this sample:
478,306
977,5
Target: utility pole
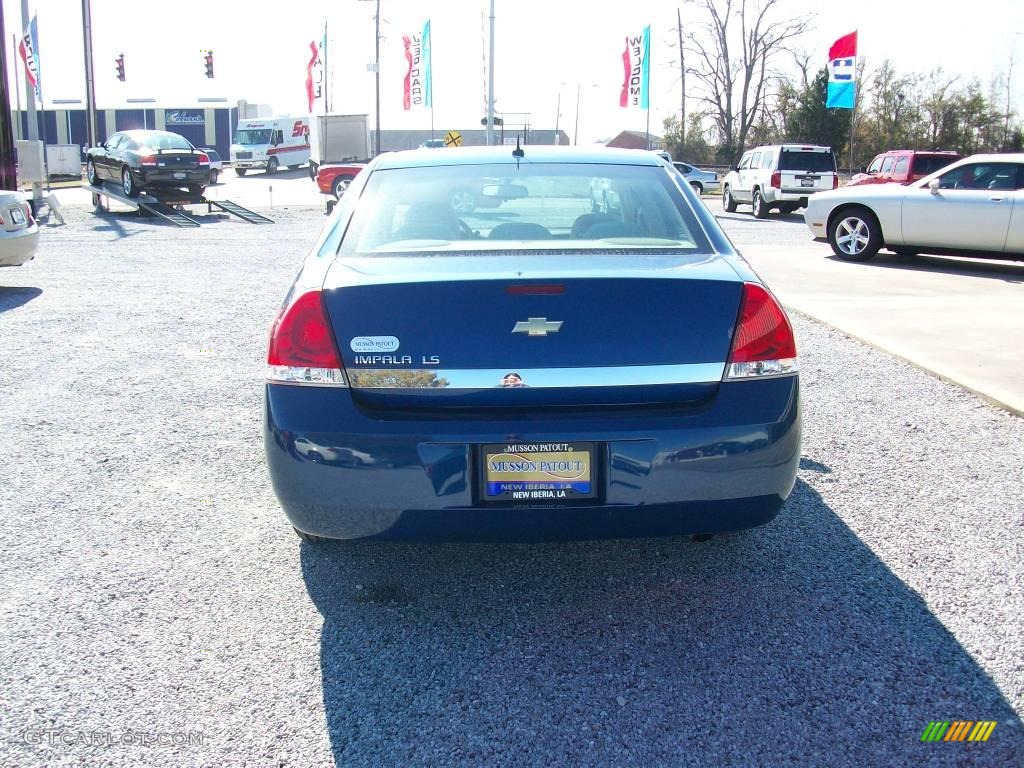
17,93
8,173
682,74
576,128
90,82
558,113
376,67
491,81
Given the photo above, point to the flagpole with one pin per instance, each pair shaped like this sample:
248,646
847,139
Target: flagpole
17,92
30,99
647,64
326,75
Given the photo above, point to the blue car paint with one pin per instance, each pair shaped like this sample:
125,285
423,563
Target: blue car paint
724,459
723,465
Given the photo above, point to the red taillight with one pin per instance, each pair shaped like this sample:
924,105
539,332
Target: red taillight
763,344
777,179
301,349
148,160
835,181
204,159
29,218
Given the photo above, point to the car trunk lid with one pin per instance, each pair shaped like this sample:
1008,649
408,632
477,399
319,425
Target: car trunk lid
445,332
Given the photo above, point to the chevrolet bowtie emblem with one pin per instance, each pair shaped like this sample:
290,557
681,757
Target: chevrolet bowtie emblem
537,326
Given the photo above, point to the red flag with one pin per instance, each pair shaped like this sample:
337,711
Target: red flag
624,94
843,48
407,93
310,93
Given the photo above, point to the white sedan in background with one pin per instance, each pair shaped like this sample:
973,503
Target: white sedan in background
974,207
19,233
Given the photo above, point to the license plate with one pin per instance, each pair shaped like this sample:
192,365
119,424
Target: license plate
180,175
806,182
538,472
17,215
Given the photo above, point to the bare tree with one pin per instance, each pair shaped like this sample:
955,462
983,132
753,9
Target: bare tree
734,49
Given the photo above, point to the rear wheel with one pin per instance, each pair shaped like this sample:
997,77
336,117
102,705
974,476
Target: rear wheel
854,234
240,171
90,173
697,187
196,189
214,175
272,165
128,183
788,208
340,187
760,207
727,201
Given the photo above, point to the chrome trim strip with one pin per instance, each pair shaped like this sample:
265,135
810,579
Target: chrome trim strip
535,378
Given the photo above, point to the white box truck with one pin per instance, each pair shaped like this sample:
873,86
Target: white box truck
338,139
268,143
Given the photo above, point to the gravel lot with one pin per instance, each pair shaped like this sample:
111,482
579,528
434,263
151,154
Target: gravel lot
151,588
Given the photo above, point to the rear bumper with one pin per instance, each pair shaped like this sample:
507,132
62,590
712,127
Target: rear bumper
168,178
789,196
341,473
18,247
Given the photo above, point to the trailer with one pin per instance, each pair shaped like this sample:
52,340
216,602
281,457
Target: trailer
170,206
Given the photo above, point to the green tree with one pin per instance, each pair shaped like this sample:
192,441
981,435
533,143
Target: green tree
812,122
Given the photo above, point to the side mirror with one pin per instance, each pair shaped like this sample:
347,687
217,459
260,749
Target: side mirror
933,186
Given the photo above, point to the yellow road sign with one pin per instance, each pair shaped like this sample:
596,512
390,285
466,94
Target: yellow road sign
453,139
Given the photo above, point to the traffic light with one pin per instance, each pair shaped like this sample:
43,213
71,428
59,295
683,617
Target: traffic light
209,63
120,67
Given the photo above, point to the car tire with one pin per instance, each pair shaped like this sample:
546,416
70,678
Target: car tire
312,171
214,175
272,166
240,171
759,207
788,208
340,187
90,173
128,183
196,189
462,201
854,234
697,187
728,203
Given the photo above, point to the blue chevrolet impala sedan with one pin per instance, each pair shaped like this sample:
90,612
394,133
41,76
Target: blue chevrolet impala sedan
584,355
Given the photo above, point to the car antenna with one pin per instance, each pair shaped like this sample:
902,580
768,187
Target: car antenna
518,152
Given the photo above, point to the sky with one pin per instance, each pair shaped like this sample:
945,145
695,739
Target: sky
546,51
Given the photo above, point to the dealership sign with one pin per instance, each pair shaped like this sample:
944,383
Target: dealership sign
184,117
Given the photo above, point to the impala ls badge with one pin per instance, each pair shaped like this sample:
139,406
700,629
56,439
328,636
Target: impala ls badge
537,326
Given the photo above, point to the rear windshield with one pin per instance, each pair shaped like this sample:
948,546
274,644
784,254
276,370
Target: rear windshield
161,141
925,164
532,206
796,160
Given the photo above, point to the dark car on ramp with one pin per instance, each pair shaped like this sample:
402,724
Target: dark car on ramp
148,160
573,368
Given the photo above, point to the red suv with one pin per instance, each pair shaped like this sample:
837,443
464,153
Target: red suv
903,166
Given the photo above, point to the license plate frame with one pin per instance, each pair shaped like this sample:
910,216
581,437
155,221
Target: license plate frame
806,182
562,483
17,216
180,175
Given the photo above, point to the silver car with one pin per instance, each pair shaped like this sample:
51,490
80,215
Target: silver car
701,181
974,207
19,233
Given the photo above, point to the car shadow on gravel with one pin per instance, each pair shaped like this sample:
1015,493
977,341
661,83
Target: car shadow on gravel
14,297
789,644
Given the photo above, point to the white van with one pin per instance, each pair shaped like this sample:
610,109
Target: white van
269,143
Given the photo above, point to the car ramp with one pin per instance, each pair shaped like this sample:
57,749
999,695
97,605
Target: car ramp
170,206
